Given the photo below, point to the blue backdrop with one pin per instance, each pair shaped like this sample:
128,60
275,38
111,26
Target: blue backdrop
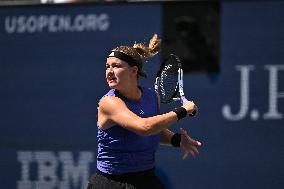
52,61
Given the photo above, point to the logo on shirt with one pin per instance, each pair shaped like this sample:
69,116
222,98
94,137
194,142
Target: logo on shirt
141,112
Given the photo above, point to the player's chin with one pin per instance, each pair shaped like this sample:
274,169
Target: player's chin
112,85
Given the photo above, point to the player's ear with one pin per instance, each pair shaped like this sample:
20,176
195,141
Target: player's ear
135,70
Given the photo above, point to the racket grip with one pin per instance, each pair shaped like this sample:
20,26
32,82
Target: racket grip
183,101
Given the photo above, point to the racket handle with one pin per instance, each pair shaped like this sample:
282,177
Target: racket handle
183,101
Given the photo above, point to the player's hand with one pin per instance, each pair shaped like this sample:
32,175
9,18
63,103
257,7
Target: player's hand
188,145
191,108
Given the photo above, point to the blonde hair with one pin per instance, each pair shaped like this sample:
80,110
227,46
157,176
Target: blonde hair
140,52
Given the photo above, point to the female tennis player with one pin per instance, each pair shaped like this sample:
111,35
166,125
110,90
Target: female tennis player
130,126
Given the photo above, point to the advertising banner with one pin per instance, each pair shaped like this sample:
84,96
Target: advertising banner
52,75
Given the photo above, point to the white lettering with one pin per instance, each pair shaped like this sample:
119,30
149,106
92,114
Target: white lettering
103,21
10,26
273,92
56,23
42,23
79,173
244,95
25,158
31,24
48,165
21,24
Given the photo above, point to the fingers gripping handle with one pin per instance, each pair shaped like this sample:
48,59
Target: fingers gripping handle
183,101
182,97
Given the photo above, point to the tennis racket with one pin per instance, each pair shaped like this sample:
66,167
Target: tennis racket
169,81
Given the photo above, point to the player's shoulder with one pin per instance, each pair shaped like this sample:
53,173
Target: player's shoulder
110,100
108,104
109,96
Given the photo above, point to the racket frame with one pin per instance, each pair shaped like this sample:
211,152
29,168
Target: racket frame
179,85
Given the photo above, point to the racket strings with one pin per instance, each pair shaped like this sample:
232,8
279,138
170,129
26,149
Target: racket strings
168,81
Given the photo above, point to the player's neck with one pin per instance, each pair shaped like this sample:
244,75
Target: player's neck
132,92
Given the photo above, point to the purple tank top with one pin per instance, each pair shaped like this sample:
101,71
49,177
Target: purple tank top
122,151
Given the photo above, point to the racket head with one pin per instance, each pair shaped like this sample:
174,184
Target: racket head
167,79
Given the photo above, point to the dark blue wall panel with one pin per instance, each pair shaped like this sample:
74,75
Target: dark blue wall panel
52,61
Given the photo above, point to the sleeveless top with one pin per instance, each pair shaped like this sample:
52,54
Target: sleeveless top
122,151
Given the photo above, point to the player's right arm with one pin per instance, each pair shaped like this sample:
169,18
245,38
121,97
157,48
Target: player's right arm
112,110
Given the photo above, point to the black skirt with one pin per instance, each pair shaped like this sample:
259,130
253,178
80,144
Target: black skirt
138,180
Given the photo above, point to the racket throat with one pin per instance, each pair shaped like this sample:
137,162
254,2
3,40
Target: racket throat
180,82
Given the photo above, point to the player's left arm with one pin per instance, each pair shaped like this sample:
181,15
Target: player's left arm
188,146
166,136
